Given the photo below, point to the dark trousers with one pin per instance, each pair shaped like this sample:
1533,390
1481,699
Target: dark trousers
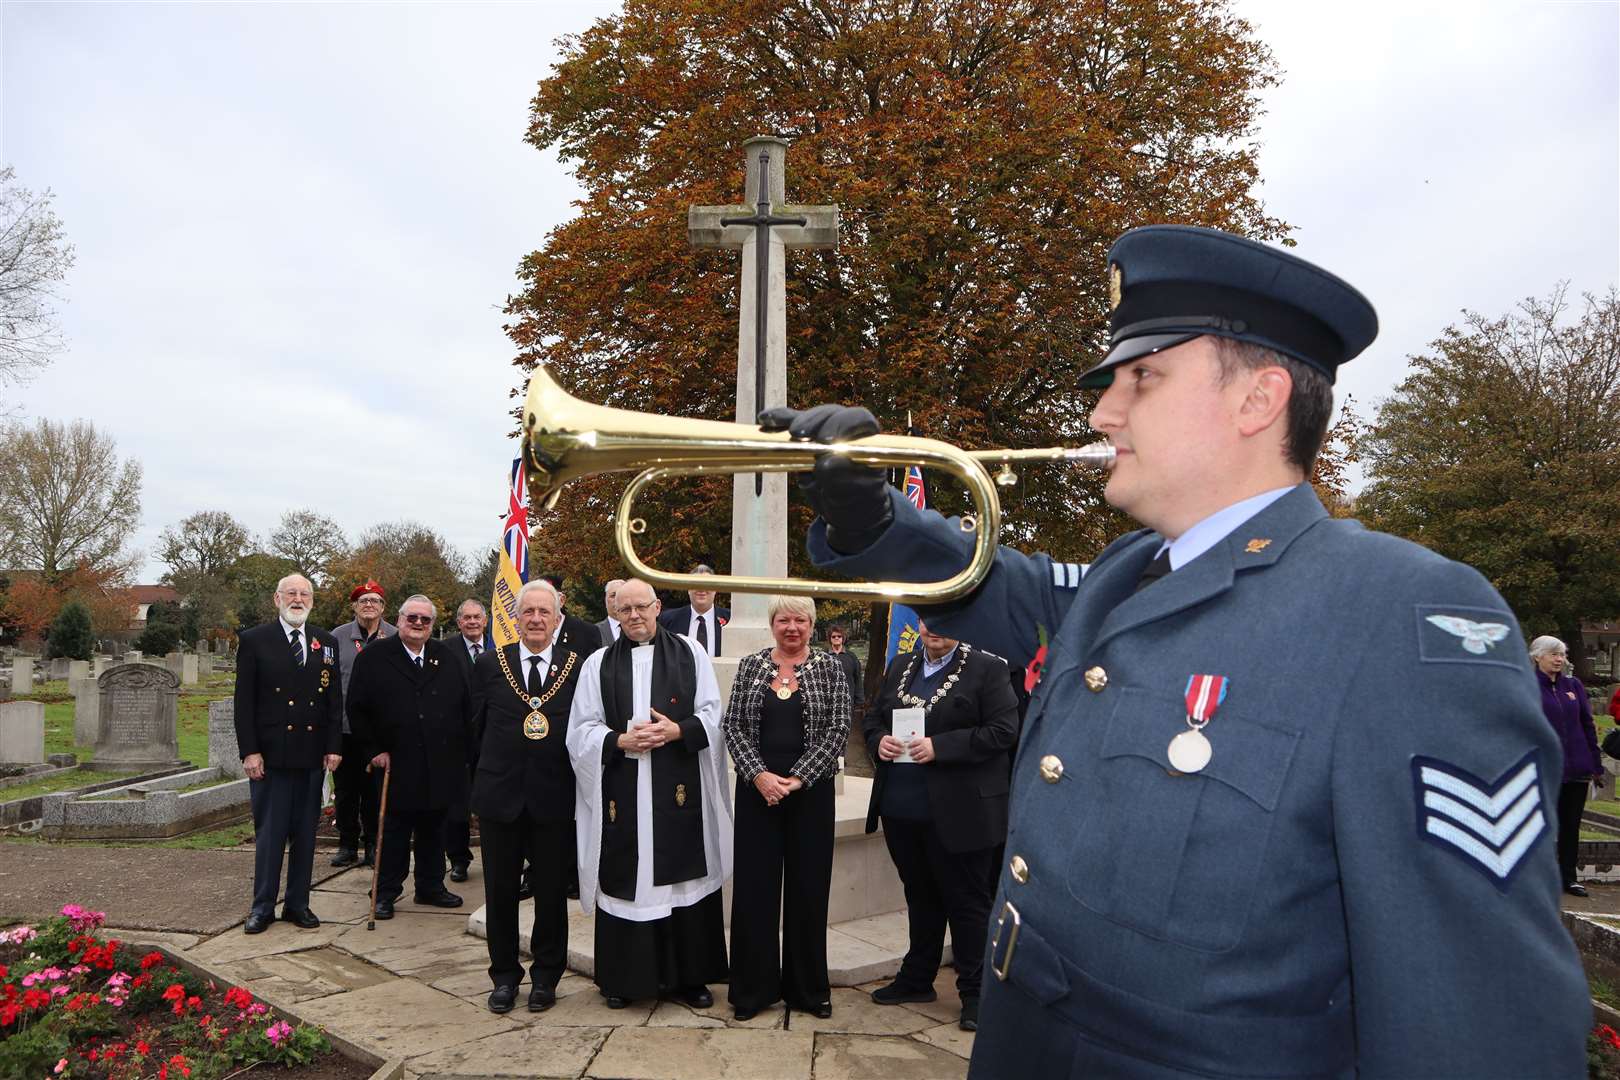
941,887
1571,805
789,843
355,794
506,844
402,829
286,808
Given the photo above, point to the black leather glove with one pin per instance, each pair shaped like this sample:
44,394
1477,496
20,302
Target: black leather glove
852,498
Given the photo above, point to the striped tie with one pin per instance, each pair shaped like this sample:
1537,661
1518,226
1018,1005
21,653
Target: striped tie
297,649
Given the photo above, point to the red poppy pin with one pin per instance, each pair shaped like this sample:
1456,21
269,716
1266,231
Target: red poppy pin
1037,666
314,644
720,620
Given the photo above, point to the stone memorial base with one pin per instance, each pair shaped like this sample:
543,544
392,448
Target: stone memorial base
150,809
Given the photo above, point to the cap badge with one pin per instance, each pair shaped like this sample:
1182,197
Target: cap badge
1116,285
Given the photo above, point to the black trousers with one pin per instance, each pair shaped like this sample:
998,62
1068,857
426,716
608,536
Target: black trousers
286,808
682,951
941,887
355,795
792,844
403,829
506,844
1571,805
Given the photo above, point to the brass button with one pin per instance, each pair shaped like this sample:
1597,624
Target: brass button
290,704
311,727
289,727
1096,679
1051,768
1019,868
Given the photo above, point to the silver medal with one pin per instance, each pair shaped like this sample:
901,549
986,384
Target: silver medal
1189,752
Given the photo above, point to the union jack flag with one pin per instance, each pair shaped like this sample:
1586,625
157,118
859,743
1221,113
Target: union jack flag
913,489
516,538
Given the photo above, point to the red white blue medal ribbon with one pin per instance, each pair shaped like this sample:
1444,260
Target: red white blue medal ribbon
1190,751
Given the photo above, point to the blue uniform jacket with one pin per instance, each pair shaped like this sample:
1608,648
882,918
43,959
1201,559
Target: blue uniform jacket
1360,882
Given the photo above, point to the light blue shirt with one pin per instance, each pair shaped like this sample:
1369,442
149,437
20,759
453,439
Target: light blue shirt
932,666
1218,526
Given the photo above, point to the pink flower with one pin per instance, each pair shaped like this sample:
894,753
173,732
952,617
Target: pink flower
278,1031
60,1065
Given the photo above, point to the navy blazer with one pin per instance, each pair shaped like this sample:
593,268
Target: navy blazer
291,715
679,619
516,773
1365,862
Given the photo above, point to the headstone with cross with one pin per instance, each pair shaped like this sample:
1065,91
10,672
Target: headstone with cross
764,230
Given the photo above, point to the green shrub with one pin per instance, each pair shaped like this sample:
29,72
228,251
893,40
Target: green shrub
71,635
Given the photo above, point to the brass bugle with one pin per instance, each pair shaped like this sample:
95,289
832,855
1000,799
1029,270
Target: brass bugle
565,439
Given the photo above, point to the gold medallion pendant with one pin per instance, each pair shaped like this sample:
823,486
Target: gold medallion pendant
785,691
535,725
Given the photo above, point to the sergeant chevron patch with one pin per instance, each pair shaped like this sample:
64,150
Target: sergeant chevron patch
1490,825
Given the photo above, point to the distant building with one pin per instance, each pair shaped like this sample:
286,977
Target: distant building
144,596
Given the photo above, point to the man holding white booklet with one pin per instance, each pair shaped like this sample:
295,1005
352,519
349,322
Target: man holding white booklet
939,735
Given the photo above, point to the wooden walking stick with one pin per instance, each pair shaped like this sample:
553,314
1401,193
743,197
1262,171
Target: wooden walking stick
376,862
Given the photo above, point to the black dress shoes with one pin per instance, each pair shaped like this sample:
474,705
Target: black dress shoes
370,857
442,898
617,1002
541,998
744,1014
895,994
385,909
346,856
458,871
257,923
1575,888
698,997
304,920
823,1010
502,998
970,1014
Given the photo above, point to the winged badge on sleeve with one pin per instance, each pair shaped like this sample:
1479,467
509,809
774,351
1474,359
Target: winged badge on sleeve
1476,636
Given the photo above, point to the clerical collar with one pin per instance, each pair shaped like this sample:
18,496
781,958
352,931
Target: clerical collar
641,644
524,652
1217,527
931,667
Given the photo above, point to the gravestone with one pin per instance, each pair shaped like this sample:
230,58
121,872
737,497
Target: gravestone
100,664
86,711
205,666
59,667
173,662
22,675
202,646
138,719
188,669
133,656
223,751
22,733
78,669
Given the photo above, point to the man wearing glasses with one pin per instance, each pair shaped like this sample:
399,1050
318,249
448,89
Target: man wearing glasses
411,710
355,790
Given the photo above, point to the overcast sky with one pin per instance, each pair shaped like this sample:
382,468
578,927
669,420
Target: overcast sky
296,224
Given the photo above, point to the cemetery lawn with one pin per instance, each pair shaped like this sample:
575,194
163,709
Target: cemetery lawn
191,717
60,782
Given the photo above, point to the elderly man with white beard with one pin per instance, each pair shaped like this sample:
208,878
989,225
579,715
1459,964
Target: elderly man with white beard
654,813
289,724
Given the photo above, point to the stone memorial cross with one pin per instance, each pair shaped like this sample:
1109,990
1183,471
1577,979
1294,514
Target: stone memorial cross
764,231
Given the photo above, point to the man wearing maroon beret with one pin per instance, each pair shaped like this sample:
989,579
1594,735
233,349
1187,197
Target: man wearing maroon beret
356,792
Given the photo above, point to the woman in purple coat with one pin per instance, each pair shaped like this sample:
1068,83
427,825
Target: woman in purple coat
1569,711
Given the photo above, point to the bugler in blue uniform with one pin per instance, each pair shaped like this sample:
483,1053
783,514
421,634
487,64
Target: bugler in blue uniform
1360,880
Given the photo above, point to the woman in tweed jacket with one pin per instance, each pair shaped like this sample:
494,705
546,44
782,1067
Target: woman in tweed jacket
785,726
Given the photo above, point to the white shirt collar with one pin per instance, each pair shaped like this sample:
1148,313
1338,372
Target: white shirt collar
468,645
524,652
1218,526
287,629
414,654
613,625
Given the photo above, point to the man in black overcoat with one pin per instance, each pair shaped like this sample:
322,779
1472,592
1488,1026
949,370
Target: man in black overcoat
289,724
411,708
472,619
945,811
523,794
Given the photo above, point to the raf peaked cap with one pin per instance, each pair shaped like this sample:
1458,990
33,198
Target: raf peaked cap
1168,284
367,586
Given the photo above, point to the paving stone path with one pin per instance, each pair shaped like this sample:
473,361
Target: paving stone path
414,988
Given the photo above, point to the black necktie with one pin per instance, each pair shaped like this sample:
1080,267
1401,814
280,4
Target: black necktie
703,632
297,649
536,677
1156,569
418,663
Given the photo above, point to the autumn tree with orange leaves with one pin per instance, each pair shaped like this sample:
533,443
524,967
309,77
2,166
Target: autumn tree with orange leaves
983,155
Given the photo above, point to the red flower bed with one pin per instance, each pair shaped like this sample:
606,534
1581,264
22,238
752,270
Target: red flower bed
75,1005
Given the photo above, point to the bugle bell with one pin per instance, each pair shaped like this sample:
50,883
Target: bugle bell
565,438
